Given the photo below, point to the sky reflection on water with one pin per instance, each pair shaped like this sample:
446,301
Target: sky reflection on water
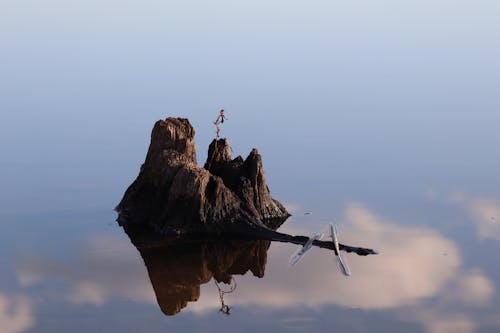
420,277
380,115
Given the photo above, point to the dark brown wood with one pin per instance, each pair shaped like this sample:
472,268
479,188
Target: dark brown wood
226,199
173,194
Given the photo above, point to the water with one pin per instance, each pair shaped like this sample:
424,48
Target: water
380,117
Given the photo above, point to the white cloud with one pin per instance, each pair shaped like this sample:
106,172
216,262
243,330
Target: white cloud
472,288
411,267
414,264
108,267
293,208
437,322
15,314
486,216
459,324
88,292
484,212
450,313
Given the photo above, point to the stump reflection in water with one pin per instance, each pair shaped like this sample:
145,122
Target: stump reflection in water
177,268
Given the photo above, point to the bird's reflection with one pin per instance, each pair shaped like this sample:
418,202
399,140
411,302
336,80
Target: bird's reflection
177,269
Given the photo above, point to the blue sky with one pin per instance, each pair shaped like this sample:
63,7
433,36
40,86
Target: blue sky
340,82
382,114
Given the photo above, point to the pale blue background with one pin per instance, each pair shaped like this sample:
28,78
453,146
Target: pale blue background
375,101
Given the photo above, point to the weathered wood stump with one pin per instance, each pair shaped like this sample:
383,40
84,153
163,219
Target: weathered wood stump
226,199
172,194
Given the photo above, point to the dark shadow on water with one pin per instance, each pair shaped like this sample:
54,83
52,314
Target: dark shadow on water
177,268
179,265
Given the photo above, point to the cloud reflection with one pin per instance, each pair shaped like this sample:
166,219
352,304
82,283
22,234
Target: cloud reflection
471,288
486,215
414,263
438,322
417,265
15,314
108,267
484,212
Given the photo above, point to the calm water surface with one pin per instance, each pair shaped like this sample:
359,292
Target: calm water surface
75,269
383,118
